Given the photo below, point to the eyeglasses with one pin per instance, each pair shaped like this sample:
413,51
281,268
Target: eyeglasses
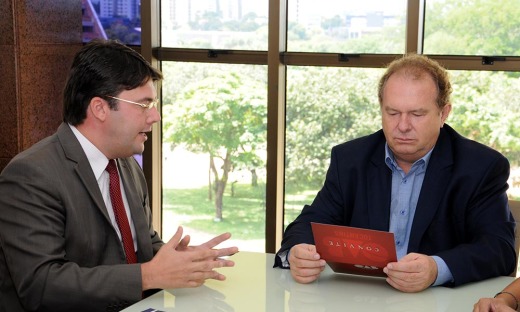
147,106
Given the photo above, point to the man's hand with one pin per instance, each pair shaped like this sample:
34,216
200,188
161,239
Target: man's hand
413,273
305,262
177,265
492,305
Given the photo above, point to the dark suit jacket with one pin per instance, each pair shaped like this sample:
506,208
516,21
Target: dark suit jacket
58,249
462,213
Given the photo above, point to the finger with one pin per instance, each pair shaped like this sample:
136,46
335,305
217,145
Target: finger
305,276
407,284
228,251
395,283
204,255
302,258
226,263
303,251
183,244
309,264
217,240
408,267
199,278
206,270
174,241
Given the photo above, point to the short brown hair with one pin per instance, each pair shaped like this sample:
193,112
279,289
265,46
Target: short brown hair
416,65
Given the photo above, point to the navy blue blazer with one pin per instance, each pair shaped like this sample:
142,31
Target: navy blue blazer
462,214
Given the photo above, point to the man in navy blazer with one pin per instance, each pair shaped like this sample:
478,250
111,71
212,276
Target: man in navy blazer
442,195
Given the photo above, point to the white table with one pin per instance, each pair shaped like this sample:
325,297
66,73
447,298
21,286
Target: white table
254,285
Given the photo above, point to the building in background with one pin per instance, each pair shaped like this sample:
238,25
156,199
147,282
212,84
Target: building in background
112,19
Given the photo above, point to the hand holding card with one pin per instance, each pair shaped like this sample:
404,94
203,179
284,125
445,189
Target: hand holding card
354,250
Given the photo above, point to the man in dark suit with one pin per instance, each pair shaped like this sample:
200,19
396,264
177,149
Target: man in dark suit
442,195
61,244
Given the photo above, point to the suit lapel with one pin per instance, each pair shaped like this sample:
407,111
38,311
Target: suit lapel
379,183
74,152
433,188
136,209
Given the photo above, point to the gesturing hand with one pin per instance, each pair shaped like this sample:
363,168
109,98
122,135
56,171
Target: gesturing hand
177,265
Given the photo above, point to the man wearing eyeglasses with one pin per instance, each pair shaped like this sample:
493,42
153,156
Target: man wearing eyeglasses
76,233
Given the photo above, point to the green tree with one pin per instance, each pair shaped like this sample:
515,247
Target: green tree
485,105
333,22
223,115
486,109
209,20
473,27
325,107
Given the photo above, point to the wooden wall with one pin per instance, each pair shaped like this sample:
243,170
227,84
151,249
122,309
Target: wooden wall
38,39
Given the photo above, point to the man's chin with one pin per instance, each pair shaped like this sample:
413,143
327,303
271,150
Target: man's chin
405,152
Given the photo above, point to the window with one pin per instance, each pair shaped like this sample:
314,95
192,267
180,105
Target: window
214,152
214,24
117,19
485,27
317,65
326,106
346,26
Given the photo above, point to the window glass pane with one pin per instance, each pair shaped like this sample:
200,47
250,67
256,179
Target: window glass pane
214,24
328,106
486,108
120,19
325,106
368,26
214,152
473,27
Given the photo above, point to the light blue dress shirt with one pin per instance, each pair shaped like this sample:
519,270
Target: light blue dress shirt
405,194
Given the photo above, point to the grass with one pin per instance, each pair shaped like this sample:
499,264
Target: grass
243,213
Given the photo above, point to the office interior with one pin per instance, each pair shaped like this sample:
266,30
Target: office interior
40,38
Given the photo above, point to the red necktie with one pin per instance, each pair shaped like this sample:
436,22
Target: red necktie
120,213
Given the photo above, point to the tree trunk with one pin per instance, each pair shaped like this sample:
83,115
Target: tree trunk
254,178
220,184
219,194
210,190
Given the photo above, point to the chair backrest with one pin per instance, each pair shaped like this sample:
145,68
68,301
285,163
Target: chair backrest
514,205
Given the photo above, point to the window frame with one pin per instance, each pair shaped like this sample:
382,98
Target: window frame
277,59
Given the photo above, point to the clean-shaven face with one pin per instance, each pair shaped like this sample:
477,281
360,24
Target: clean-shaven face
131,123
411,117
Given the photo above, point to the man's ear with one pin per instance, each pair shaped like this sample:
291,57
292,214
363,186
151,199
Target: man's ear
445,112
99,108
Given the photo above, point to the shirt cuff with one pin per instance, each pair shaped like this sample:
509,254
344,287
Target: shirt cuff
443,272
284,257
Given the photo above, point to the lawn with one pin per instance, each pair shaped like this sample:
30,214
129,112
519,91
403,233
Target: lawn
243,213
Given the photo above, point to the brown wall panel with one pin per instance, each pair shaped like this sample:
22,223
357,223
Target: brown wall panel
39,39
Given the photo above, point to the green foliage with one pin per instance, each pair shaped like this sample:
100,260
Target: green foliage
208,20
333,37
486,109
245,210
213,109
325,107
224,115
473,27
223,112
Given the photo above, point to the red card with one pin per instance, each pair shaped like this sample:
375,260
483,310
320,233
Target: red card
354,250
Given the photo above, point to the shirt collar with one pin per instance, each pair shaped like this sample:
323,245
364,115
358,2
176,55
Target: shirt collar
98,161
391,163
